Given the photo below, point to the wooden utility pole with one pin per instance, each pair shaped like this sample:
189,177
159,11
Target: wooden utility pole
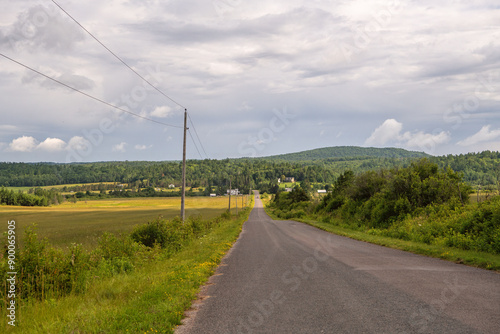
229,196
183,190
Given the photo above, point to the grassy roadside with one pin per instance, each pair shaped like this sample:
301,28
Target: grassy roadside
152,299
476,259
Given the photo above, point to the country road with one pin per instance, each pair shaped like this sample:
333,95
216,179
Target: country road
288,277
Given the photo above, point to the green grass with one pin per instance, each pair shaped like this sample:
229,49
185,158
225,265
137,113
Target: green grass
468,257
152,299
83,222
22,189
284,185
482,196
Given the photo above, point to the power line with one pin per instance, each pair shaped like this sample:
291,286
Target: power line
196,133
120,59
135,72
195,143
88,95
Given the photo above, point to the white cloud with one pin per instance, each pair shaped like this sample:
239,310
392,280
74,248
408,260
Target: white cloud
52,145
23,144
425,141
161,112
389,131
120,147
484,135
41,27
78,143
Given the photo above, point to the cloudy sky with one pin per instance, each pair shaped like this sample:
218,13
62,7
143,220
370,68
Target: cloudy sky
257,77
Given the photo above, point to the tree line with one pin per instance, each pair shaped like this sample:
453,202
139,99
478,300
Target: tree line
37,197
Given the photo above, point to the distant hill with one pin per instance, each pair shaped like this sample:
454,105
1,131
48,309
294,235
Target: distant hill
341,152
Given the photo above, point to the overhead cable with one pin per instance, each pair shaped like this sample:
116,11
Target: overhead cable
88,95
196,133
194,143
117,57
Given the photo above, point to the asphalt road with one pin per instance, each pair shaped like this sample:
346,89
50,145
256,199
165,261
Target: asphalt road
288,277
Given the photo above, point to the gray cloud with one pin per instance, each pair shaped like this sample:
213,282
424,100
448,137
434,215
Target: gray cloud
42,27
73,80
342,67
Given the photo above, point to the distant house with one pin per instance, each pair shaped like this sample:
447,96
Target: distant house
290,179
213,195
322,191
288,190
171,186
234,192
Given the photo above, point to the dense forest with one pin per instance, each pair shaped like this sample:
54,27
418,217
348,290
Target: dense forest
243,173
343,152
323,167
478,169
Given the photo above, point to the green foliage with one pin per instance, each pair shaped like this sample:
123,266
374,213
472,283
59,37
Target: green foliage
292,204
10,197
477,168
315,166
378,199
47,272
171,234
473,227
348,152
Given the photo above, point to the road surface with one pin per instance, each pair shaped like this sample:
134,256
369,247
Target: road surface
288,277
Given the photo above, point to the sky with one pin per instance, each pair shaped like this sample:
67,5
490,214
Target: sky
258,78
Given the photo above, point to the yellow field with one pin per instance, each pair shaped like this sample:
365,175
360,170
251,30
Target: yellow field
83,222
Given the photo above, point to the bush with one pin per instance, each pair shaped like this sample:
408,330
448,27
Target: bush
48,272
172,234
379,199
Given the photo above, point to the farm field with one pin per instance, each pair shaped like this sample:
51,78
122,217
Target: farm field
83,222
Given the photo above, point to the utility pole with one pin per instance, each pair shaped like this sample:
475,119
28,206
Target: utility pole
183,195
236,202
229,196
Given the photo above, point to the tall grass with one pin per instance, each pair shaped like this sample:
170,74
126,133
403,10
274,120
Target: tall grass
150,296
48,273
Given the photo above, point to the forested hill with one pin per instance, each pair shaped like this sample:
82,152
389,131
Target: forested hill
348,152
321,166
